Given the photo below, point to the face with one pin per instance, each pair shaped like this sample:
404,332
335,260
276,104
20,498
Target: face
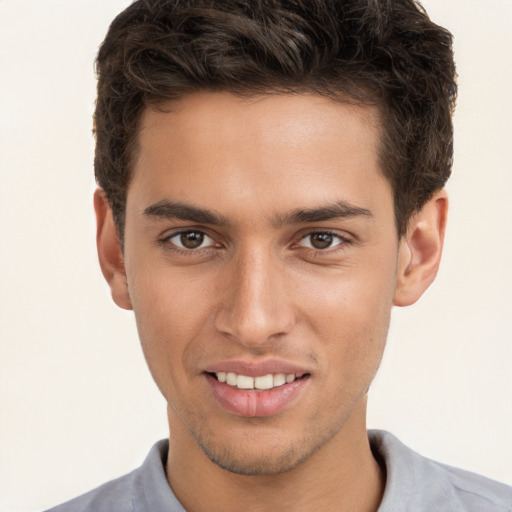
261,255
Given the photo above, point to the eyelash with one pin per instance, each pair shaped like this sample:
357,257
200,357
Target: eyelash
169,245
343,241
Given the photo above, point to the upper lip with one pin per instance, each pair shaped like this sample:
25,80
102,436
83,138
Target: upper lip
257,369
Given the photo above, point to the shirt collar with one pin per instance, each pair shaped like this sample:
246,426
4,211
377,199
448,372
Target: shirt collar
151,490
412,481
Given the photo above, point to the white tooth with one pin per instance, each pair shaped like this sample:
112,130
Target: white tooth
221,376
244,382
279,379
231,378
264,382
290,378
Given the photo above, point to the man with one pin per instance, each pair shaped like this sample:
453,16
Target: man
271,183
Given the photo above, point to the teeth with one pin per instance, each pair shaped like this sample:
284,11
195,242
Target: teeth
279,379
261,383
243,382
265,382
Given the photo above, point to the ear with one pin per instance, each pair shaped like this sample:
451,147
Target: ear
109,251
420,250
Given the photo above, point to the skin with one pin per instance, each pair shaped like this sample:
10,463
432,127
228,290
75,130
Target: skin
266,283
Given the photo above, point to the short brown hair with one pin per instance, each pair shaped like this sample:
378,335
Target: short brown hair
382,52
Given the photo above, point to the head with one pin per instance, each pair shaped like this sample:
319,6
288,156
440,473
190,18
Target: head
385,53
273,170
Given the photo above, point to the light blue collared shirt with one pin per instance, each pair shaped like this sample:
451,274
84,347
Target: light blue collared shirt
413,484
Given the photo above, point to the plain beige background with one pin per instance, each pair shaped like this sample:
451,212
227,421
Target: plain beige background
77,405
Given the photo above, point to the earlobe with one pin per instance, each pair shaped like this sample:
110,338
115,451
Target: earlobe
420,250
109,251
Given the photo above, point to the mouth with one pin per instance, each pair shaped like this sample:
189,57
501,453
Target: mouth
259,383
260,394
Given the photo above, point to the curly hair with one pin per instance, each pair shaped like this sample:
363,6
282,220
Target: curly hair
386,53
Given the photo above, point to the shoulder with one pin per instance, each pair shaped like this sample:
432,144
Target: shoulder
114,495
473,489
144,489
414,482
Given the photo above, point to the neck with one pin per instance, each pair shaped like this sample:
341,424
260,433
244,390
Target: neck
342,475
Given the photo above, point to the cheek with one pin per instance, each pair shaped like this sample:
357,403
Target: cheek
173,303
172,313
349,312
356,299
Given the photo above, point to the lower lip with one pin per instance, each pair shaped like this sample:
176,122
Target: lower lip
255,403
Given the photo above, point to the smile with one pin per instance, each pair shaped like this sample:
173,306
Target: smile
257,395
260,383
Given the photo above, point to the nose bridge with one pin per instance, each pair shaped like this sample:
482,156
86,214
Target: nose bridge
255,306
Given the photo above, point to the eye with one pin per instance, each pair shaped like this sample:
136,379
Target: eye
191,240
321,240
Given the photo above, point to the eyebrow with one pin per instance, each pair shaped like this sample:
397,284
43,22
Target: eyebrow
337,210
170,210
166,209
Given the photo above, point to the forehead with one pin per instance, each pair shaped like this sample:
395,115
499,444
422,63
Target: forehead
279,118
269,149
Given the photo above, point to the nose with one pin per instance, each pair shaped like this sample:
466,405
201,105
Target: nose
255,306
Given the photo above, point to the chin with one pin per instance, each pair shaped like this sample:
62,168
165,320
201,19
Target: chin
259,464
262,457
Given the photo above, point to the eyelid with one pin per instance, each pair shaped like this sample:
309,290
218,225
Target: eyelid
166,239
343,240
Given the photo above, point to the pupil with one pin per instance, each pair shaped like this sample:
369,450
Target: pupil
192,239
321,240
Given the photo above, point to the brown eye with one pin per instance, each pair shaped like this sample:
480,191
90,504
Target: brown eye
321,240
191,240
